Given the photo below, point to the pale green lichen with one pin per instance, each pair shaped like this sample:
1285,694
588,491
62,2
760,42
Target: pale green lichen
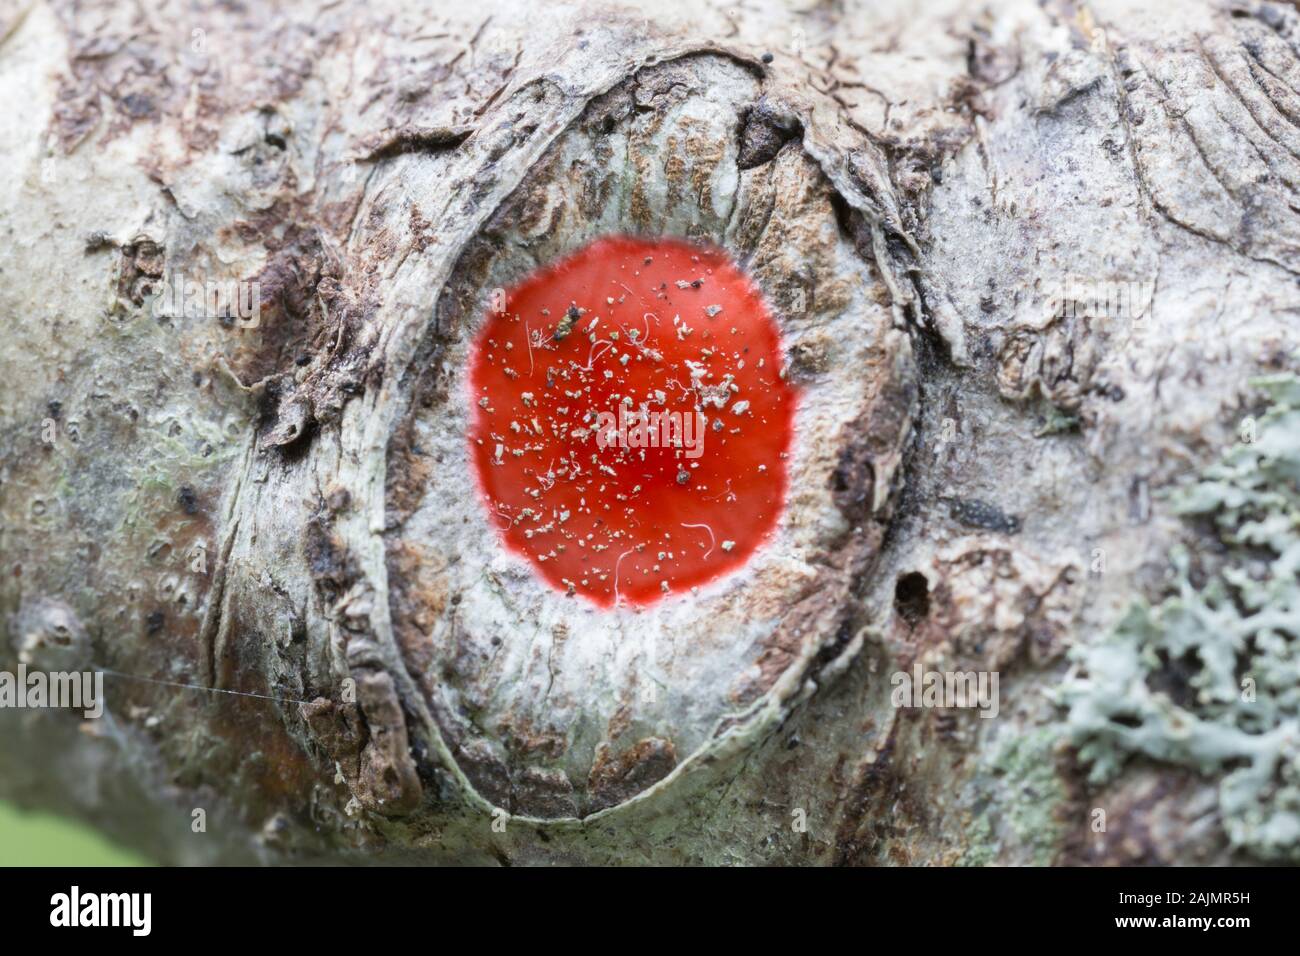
1209,677
982,844
1020,794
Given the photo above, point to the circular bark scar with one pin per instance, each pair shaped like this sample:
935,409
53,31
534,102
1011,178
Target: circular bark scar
560,705
632,419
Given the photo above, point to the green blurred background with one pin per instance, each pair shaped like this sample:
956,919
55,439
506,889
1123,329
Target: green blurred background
40,839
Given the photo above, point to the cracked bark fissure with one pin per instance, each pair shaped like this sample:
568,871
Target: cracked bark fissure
287,510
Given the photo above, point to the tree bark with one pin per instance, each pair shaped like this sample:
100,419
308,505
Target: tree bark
267,536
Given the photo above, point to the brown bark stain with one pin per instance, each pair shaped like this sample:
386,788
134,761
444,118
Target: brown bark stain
616,777
388,782
1151,819
417,598
256,749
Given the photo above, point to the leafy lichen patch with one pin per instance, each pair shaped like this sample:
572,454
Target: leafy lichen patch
1018,802
1206,677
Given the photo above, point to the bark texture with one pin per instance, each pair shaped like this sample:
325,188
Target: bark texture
981,481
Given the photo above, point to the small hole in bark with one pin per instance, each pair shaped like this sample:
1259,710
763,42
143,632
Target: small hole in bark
912,597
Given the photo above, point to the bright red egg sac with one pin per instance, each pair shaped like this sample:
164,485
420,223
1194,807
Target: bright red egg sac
631,421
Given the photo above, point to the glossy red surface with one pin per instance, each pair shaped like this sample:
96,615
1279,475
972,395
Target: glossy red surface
589,392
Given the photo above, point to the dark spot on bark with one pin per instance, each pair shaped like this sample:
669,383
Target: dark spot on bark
766,129
154,622
286,417
853,481
1175,677
338,500
412,139
188,501
99,240
912,597
138,106
974,513
332,567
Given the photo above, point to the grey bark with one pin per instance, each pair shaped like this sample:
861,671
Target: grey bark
906,184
